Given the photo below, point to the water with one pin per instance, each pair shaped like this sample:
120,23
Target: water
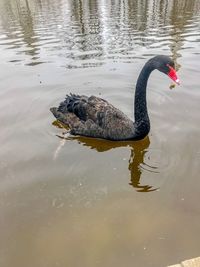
82,202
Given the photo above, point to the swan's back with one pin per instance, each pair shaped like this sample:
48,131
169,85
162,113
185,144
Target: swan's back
95,117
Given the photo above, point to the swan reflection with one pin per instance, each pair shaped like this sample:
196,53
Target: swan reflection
136,165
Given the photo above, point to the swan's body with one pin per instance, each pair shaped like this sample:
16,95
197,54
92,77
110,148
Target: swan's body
95,117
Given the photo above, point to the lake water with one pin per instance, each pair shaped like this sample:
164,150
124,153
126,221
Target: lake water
85,202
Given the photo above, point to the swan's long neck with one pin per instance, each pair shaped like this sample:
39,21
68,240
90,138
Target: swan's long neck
140,106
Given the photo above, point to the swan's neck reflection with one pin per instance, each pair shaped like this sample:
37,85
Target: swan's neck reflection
136,160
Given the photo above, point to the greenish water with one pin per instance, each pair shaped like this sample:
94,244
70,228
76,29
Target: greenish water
85,202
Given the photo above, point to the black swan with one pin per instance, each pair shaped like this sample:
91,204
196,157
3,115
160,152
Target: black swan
95,117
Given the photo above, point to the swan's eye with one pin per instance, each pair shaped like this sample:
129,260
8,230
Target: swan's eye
168,66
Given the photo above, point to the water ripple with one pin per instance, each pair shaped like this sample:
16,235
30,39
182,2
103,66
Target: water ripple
79,33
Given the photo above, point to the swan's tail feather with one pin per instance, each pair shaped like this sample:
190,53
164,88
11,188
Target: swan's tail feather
68,119
60,116
55,112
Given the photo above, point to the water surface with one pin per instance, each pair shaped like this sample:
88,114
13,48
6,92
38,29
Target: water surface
86,202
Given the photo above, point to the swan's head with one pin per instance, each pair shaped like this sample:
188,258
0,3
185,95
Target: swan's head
166,65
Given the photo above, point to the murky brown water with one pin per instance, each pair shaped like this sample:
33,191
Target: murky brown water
82,202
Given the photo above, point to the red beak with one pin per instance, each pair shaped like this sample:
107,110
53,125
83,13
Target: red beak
172,74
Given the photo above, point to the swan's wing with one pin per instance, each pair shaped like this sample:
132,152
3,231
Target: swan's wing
91,108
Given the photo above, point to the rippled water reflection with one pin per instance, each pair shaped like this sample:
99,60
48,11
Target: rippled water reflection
91,33
82,202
